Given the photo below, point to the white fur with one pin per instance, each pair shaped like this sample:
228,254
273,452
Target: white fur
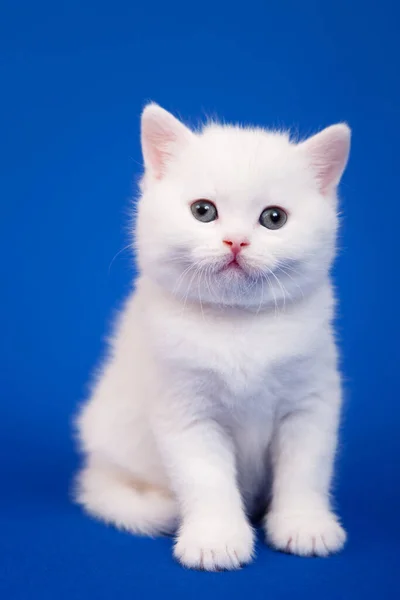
218,382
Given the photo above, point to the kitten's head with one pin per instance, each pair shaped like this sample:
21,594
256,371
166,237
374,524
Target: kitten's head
237,216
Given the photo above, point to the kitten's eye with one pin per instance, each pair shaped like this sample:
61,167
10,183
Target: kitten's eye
204,210
273,217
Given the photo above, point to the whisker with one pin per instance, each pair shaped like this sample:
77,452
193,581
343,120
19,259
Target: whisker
292,279
196,266
262,296
281,286
181,278
271,287
199,293
207,274
131,245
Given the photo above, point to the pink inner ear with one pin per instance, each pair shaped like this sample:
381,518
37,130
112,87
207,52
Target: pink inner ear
157,143
162,138
330,164
329,152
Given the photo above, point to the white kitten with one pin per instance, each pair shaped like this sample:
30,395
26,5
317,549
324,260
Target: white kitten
223,368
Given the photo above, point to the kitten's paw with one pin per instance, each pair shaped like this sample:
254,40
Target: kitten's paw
305,533
214,545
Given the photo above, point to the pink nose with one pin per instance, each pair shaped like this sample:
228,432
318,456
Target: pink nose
236,246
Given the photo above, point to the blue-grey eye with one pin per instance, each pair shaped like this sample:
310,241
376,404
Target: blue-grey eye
273,217
204,211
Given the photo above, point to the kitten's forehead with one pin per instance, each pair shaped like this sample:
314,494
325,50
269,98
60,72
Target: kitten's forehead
236,163
248,139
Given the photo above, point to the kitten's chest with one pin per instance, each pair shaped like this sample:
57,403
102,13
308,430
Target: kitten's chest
239,355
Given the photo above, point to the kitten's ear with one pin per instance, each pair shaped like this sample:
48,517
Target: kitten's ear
328,152
162,137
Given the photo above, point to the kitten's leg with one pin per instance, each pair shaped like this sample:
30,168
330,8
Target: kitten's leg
115,496
300,520
215,533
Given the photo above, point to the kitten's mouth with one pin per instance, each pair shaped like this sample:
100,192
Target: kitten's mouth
232,266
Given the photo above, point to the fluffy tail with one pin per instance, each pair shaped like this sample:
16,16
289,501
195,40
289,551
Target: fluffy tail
116,497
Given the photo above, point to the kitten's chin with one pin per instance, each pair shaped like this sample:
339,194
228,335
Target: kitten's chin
234,284
235,269
232,269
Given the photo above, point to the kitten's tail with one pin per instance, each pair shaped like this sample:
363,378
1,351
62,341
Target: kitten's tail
116,497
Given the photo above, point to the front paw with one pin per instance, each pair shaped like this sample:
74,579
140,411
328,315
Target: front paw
305,533
214,545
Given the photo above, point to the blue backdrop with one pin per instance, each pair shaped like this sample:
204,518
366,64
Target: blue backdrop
75,76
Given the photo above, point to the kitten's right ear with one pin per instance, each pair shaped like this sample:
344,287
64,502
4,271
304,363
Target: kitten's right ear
163,136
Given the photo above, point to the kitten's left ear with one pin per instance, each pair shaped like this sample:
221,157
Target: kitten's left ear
328,152
163,137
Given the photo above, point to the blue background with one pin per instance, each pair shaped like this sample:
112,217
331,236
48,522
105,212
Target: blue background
74,77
